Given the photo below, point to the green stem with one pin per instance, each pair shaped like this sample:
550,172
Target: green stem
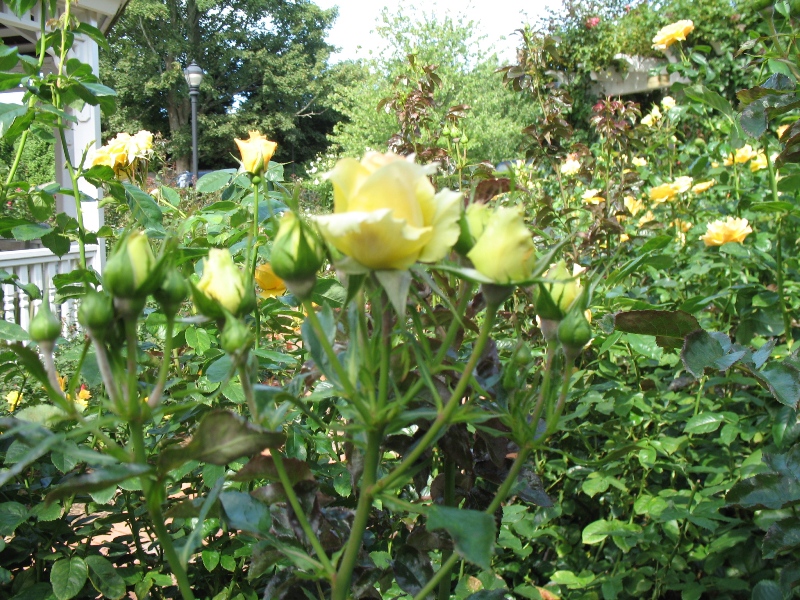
252,256
133,408
155,395
449,500
301,515
502,492
344,379
341,583
443,418
165,540
787,322
386,343
247,389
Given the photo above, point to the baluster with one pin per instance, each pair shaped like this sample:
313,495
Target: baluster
9,303
24,301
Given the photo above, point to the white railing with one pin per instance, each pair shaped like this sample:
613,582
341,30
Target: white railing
39,266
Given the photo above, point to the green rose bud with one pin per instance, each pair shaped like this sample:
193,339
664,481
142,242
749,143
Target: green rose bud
172,292
236,336
45,326
555,298
472,223
574,332
223,286
504,250
96,313
297,254
130,273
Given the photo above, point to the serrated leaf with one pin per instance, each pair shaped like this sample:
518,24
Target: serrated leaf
781,537
104,577
700,350
242,511
703,423
473,532
783,380
214,181
670,327
143,208
412,570
220,438
12,332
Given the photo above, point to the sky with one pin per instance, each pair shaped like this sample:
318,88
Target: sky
497,19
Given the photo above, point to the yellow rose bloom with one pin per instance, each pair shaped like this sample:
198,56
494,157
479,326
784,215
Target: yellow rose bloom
82,401
662,193
648,216
504,252
675,32
682,184
703,186
570,167
633,205
741,156
623,237
781,130
668,102
721,232
759,162
387,214
256,152
638,161
593,197
271,285
13,398
222,280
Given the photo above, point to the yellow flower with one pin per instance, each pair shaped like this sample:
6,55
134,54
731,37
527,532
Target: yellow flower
633,205
715,164
623,237
271,285
781,130
82,401
682,184
504,251
759,162
672,33
256,153
662,193
681,225
565,288
592,197
387,214
62,382
140,146
730,230
13,398
652,118
223,282
638,161
570,167
648,216
701,187
668,102
741,156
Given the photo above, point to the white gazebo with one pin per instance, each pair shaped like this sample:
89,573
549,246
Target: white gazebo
39,265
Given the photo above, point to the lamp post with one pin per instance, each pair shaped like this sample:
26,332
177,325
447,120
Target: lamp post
194,76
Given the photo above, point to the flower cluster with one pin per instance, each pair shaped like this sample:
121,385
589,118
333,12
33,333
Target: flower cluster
124,152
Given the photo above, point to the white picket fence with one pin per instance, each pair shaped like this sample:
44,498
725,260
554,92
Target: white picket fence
39,266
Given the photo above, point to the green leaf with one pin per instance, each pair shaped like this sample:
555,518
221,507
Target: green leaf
781,537
768,490
12,332
30,231
220,438
9,112
767,590
242,511
329,292
700,350
210,559
55,242
68,577
669,327
412,570
143,207
703,423
396,285
473,532
214,181
596,532
97,480
38,591
571,580
783,380
12,515
104,577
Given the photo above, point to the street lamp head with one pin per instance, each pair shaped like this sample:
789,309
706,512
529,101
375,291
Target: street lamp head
194,76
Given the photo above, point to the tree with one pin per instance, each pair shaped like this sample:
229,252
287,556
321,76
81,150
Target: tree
264,62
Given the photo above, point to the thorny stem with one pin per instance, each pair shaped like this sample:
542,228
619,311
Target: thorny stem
301,515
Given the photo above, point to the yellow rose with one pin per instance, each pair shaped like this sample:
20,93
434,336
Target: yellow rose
565,287
13,398
672,33
256,153
759,162
570,167
638,161
633,205
140,146
668,102
647,218
224,284
730,230
781,130
271,285
386,213
504,252
593,197
741,156
682,184
662,193
703,186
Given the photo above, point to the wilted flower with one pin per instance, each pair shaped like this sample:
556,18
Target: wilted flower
504,252
571,166
662,193
271,285
256,153
633,205
593,197
668,102
720,232
741,156
672,33
759,162
387,214
13,398
701,187
638,161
